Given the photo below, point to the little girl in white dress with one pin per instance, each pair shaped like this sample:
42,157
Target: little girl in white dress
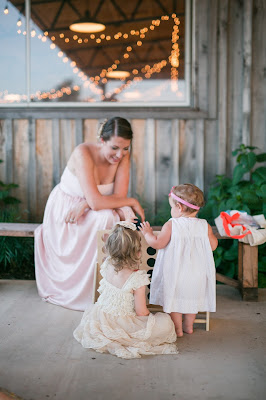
183,280
120,322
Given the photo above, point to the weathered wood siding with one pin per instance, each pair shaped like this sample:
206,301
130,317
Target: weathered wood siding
228,108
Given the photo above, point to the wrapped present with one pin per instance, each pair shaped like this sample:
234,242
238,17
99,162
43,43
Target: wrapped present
242,226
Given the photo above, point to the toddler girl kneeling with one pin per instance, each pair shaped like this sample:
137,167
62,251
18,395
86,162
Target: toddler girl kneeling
120,323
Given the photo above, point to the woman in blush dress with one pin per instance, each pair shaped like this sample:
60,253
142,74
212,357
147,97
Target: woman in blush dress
91,196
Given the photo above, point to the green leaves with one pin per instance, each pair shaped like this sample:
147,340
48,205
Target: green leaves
16,254
245,191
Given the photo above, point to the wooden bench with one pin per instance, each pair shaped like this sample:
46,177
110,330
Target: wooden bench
247,281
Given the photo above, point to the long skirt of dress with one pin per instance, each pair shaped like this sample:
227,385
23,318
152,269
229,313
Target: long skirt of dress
65,254
126,336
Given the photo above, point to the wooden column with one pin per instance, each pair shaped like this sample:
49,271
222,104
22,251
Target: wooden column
248,271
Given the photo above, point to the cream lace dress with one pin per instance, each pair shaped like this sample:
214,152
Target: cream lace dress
112,326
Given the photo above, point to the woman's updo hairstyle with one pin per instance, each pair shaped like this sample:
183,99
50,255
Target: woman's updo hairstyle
115,126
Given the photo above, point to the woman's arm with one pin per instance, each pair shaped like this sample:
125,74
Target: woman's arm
84,170
212,238
159,241
140,302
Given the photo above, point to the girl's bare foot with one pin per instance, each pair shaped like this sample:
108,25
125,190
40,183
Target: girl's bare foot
188,330
188,323
179,333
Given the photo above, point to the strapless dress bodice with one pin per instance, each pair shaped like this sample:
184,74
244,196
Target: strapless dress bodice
69,183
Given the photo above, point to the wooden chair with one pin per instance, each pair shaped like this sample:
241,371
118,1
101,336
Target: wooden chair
147,263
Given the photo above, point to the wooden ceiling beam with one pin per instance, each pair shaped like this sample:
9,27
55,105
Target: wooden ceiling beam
161,6
58,13
136,9
98,8
120,11
74,9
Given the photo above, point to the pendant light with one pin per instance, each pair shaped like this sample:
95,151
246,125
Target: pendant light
87,25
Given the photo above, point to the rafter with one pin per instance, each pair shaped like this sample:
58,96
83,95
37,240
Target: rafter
98,8
58,13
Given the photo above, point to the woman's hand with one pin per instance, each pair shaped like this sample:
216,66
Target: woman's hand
75,213
138,210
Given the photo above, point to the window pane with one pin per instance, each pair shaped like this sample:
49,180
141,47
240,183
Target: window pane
13,55
143,40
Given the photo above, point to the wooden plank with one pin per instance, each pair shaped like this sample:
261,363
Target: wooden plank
202,36
211,153
222,85
6,150
258,128
78,131
212,55
149,168
199,154
6,137
21,162
175,153
226,280
56,152
163,159
67,141
250,266
240,262
90,128
247,57
90,112
235,80
248,271
44,163
188,152
31,171
16,229
194,60
2,150
138,159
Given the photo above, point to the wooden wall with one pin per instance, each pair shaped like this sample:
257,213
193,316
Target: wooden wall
170,145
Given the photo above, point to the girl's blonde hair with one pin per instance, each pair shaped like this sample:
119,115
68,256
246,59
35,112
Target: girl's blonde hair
124,248
190,193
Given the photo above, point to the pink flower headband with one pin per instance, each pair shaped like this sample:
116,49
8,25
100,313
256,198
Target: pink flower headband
186,203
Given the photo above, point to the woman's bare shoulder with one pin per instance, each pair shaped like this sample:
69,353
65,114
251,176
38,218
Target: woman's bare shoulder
85,148
84,152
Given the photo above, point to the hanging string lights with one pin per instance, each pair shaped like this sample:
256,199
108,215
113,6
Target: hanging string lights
96,83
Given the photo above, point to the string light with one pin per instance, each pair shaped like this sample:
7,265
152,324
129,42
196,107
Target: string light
93,82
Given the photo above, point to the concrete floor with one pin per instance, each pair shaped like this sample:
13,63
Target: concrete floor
40,360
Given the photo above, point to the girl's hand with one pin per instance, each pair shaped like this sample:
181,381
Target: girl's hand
145,228
75,213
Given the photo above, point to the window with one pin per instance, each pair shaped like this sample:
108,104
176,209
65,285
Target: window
140,57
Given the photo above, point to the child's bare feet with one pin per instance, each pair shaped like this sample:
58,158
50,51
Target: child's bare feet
179,333
177,320
188,323
188,330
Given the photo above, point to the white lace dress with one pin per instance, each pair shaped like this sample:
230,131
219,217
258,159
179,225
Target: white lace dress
112,326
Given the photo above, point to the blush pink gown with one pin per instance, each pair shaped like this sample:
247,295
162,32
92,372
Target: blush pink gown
65,254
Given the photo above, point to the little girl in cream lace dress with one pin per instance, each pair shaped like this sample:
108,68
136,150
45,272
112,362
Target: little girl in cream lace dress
120,323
